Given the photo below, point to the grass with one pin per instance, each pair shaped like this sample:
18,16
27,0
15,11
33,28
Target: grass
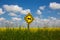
32,34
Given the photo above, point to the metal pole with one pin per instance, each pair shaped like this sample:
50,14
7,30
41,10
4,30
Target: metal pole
28,26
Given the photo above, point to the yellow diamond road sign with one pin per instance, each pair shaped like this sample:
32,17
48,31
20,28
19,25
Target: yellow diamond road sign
28,18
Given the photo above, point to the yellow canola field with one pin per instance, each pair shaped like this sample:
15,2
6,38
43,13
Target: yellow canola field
31,29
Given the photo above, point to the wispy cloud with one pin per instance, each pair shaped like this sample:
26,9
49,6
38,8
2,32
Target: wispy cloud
39,12
16,19
12,14
42,7
1,11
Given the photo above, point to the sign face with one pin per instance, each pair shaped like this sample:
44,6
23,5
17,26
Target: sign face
28,18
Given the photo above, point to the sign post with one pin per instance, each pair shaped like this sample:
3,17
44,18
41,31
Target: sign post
28,18
28,26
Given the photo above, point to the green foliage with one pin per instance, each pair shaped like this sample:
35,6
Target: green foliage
13,34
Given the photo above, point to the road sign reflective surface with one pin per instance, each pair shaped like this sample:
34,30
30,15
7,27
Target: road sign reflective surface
28,18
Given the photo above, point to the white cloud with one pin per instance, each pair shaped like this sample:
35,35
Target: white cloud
26,11
39,12
52,18
16,19
12,14
1,11
37,22
54,5
50,22
45,20
42,7
15,22
1,19
15,8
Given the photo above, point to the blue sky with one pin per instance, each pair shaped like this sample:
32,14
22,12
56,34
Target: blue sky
43,8
33,5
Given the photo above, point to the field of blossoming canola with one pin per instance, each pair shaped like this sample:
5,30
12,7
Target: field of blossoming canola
31,34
